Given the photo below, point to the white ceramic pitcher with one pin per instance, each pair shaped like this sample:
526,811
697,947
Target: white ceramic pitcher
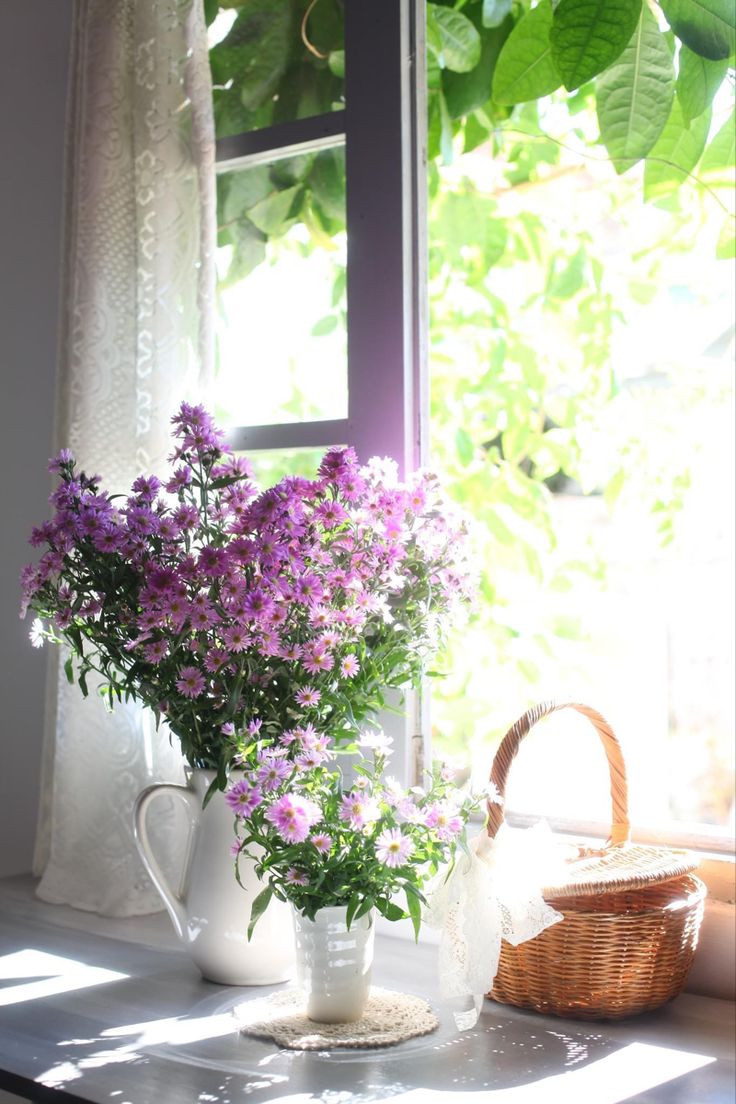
210,911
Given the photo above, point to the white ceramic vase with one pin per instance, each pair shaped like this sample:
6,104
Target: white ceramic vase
209,910
333,965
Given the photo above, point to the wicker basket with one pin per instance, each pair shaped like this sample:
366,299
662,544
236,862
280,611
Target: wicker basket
631,913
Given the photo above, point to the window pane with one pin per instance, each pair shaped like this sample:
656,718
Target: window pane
281,324
582,395
270,66
271,465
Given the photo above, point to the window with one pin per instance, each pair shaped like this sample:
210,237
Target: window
323,205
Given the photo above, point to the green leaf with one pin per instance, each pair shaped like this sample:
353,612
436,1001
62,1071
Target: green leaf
697,82
634,95
676,154
495,11
353,906
69,670
717,165
588,35
325,326
459,41
415,910
336,62
525,70
82,680
390,910
726,245
271,215
257,909
446,132
707,26
327,181
465,447
465,92
255,51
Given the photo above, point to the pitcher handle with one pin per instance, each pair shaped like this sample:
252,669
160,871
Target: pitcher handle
173,900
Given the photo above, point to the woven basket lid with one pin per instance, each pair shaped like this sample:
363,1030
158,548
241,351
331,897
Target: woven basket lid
620,865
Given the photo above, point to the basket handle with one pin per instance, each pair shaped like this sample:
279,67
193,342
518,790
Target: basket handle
506,753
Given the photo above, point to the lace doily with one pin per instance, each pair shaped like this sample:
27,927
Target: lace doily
389,1018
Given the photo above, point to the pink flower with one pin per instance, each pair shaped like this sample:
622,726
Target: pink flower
190,682
359,810
317,659
393,848
272,772
349,665
307,696
296,877
244,797
445,823
322,842
378,742
293,816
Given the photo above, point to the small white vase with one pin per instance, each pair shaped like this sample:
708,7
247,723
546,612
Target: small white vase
209,910
333,965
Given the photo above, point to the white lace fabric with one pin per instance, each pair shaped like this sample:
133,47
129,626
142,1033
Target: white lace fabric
494,893
136,339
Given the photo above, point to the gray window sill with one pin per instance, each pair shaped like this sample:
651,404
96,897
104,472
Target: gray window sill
148,1035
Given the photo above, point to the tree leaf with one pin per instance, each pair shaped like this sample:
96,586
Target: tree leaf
495,11
257,909
327,181
465,92
675,154
726,246
697,82
717,165
271,214
634,96
588,35
707,26
255,51
459,41
525,70
325,326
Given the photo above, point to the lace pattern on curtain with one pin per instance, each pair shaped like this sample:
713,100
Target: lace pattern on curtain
135,340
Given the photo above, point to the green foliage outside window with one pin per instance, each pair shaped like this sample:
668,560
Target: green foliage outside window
564,100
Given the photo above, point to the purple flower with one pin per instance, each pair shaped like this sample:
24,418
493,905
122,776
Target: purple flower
243,797
191,682
393,848
349,665
272,772
293,816
358,809
64,459
322,842
307,696
442,819
296,877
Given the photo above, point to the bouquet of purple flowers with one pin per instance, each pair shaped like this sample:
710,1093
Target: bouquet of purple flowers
234,612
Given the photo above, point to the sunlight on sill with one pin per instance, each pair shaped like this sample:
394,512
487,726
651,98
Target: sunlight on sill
51,975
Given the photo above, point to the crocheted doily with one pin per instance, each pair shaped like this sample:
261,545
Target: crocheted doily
389,1018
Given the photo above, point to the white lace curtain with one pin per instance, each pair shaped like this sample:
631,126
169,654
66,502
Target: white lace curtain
135,339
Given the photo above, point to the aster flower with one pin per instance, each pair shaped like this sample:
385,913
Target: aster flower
349,665
297,877
243,797
272,772
307,696
393,848
191,682
293,817
322,842
358,809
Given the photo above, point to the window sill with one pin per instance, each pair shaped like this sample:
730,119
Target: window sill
149,1035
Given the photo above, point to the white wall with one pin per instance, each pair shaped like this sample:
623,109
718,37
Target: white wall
34,45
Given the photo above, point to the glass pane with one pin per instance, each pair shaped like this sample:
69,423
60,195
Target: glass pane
582,348
274,61
271,465
281,323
